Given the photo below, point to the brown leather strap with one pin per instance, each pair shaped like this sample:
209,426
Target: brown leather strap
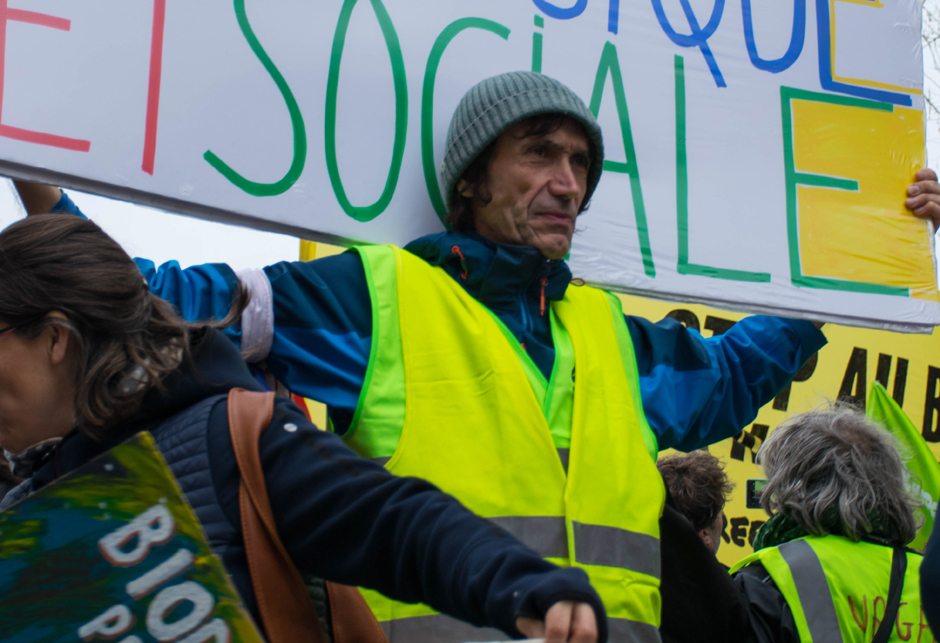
287,613
351,618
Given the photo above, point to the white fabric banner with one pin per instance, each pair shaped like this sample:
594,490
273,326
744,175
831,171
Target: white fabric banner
757,152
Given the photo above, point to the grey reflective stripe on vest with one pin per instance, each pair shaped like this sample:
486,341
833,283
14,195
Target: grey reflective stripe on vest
813,590
623,629
438,628
382,460
615,547
594,544
563,456
545,534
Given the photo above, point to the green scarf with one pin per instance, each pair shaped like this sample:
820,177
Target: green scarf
782,528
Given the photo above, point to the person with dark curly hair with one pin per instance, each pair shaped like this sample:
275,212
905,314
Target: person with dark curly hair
699,487
700,602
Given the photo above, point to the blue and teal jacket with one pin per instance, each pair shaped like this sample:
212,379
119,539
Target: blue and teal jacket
695,391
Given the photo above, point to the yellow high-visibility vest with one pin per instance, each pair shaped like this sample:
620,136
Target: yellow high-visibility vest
451,396
836,589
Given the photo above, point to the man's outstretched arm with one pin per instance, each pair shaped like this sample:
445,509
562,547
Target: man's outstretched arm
699,391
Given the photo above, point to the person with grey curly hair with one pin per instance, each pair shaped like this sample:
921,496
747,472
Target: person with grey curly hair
834,547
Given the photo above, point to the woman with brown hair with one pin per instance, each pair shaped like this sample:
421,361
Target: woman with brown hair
89,357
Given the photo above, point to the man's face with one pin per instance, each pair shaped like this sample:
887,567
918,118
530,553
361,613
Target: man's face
711,535
537,184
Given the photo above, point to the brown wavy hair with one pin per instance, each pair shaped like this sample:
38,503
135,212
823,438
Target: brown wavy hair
698,484
128,339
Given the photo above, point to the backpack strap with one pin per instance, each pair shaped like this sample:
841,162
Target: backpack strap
287,613
350,617
895,589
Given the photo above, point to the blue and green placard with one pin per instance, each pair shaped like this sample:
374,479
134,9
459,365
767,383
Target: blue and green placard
113,552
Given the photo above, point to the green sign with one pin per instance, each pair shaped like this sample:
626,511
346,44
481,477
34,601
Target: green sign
924,482
113,552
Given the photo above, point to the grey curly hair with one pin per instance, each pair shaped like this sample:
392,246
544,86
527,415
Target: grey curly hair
835,462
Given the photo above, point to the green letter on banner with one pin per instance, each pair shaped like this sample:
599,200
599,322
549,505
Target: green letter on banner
368,212
682,199
610,64
427,100
297,122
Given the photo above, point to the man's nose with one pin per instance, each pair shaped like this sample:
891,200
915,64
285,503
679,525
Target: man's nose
564,181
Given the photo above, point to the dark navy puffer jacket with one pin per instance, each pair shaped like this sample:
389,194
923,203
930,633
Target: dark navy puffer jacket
341,517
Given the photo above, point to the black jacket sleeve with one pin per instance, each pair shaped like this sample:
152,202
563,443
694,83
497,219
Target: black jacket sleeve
347,519
770,616
930,581
700,601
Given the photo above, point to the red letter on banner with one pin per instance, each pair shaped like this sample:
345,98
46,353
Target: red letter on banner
153,91
17,133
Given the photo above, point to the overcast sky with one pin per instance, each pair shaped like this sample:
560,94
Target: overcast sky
161,236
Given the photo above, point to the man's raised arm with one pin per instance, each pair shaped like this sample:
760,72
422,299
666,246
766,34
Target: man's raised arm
38,198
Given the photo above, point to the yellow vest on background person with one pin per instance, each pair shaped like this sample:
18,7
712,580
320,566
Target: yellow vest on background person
837,589
452,397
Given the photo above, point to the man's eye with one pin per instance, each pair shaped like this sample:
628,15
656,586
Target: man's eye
538,150
581,161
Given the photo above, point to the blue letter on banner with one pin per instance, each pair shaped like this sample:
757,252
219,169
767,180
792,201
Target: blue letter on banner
825,65
559,12
796,38
699,36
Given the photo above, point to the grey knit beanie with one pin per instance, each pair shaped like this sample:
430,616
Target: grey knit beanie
493,105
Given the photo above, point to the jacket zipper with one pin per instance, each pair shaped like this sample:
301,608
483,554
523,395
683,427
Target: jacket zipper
525,313
526,318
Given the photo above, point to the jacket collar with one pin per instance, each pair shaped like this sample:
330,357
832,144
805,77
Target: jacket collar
493,273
